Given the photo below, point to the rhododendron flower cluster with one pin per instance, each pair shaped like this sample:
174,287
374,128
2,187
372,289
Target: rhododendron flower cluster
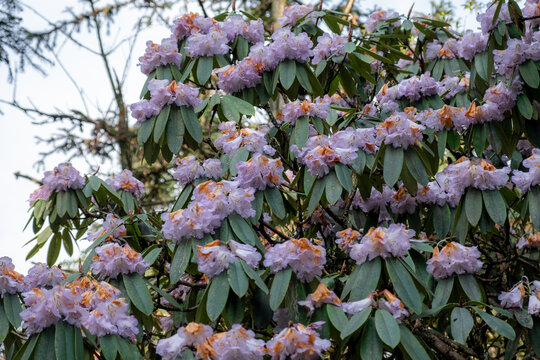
112,224
253,140
513,298
62,178
319,108
525,180
160,55
260,172
297,342
127,182
112,260
189,168
529,241
162,93
193,334
486,19
412,89
214,258
291,15
393,241
237,343
94,305
304,258
450,86
454,258
11,282
385,300
399,131
211,203
322,295
40,275
322,152
377,16
328,45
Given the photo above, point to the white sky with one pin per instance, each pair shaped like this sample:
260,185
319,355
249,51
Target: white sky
55,90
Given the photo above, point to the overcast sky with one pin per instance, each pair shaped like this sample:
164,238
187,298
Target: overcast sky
56,90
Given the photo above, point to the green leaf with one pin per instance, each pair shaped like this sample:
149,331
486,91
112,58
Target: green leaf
404,285
72,205
161,123
238,279
275,201
217,296
355,322
387,328
26,350
442,219
524,106
370,345
45,345
534,205
316,194
470,286
152,256
481,64
337,316
443,290
64,341
495,205
255,277
473,205
175,130
127,350
301,131
242,229
4,323
344,175
205,66
529,74
333,188
496,324
393,163
461,324
243,106
182,255
145,130
416,167
365,281
479,139
411,345
138,293
523,318
303,78
61,203
229,109
109,346
12,309
287,73
192,124
280,284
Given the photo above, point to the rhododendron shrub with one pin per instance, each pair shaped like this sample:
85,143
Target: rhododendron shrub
342,191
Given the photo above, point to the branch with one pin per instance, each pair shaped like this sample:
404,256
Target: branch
27,177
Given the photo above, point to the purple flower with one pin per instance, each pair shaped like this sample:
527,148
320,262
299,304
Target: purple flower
260,172
192,334
297,342
470,44
111,224
513,298
214,258
530,241
393,241
377,16
212,168
304,258
322,295
398,131
191,23
187,170
40,193
454,258
62,178
357,306
246,74
237,343
213,43
41,311
287,45
486,19
127,182
393,305
112,260
292,14
328,45
246,252
110,317
347,238
160,55
11,282
235,25
143,110
40,275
